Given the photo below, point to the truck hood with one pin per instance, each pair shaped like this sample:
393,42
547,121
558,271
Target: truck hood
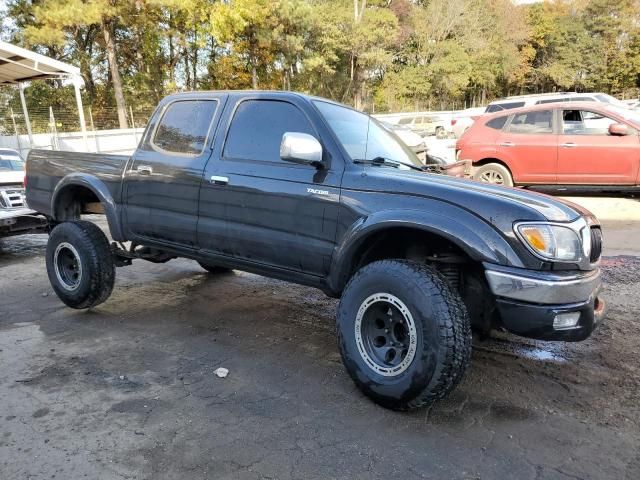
485,200
11,177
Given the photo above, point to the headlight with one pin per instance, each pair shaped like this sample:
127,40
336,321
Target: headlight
554,242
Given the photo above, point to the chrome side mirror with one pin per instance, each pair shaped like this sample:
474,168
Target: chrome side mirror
301,148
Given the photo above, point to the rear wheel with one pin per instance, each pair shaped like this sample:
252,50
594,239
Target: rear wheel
404,334
215,269
80,264
494,173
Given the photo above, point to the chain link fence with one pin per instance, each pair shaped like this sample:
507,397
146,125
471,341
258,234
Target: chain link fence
58,128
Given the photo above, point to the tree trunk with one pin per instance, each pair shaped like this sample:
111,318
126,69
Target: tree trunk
107,31
194,66
254,77
187,70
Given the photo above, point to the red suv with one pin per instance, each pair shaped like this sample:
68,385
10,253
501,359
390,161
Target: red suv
574,143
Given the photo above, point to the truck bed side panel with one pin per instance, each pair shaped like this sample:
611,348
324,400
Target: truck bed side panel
45,169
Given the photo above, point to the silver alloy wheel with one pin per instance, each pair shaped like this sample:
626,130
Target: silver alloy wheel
67,265
492,176
386,334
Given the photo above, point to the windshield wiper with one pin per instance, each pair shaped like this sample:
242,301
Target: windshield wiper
388,161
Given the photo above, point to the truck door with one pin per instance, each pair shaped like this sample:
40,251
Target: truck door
162,182
277,213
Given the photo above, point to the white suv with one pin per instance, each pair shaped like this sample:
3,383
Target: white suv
536,99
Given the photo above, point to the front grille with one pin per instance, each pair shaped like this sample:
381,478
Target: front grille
12,198
596,244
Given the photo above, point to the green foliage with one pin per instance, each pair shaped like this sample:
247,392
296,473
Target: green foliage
376,54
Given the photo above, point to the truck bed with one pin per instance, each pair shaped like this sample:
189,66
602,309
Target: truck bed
47,168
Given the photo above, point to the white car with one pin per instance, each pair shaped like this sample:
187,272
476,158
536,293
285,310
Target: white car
15,216
410,138
539,98
462,120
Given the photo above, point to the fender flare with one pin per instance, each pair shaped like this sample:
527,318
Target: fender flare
474,236
99,188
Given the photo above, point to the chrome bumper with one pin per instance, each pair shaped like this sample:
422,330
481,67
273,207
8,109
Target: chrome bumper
544,288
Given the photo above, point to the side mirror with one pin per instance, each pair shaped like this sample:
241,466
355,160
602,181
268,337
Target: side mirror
301,148
618,129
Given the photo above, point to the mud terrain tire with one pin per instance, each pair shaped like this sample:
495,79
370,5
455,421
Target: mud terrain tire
432,350
80,264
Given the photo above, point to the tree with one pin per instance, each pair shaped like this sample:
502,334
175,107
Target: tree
57,23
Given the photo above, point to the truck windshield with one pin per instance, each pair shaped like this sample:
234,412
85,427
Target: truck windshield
363,137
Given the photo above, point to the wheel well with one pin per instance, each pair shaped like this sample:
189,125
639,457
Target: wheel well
486,161
75,200
404,242
463,273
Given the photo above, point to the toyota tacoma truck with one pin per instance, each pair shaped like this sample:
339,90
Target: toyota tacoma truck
16,218
306,190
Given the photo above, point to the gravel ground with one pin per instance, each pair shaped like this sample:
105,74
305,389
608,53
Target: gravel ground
128,389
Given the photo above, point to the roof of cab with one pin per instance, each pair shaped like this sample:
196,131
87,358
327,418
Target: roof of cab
249,93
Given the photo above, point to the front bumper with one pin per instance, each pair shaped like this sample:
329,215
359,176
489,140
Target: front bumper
21,221
529,301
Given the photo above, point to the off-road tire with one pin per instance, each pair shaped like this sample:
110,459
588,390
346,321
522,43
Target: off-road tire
494,170
214,269
443,346
95,282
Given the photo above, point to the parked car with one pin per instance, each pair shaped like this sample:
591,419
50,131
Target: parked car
15,216
425,125
461,121
543,98
573,144
314,192
410,138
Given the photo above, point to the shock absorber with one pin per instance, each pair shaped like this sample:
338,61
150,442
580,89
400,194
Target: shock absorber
449,265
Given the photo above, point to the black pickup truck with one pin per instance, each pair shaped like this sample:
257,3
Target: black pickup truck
310,191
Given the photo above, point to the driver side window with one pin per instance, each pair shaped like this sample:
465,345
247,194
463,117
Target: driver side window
257,128
585,122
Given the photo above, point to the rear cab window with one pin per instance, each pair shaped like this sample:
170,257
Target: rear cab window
257,128
184,127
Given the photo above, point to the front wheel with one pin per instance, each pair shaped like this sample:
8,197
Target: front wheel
494,173
404,334
80,264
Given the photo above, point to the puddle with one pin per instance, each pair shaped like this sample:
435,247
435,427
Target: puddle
503,345
23,245
539,354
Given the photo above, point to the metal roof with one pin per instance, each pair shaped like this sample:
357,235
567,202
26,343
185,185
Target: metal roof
21,65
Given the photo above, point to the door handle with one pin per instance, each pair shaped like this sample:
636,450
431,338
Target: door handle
216,180
568,145
507,144
144,170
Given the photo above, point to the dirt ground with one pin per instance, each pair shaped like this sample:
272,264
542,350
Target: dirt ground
128,391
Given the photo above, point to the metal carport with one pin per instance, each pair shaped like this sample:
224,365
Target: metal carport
19,65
